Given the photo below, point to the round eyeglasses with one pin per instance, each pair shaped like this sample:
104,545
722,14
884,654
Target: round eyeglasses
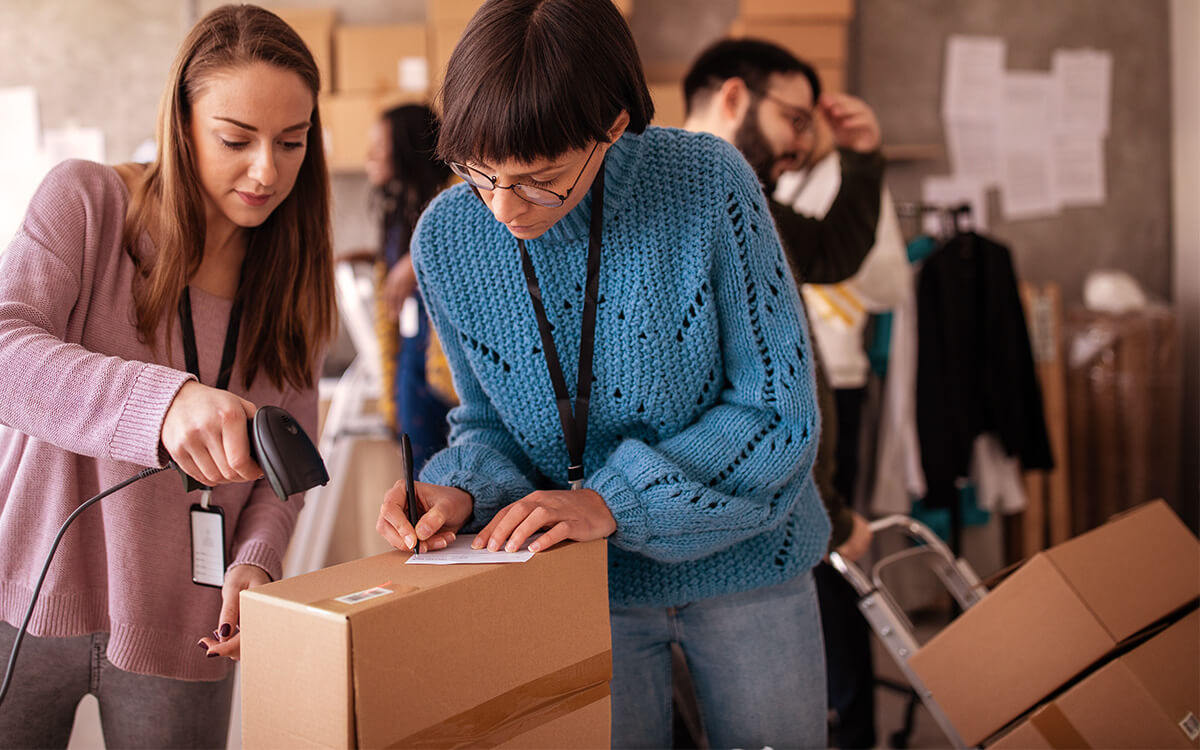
802,119
539,196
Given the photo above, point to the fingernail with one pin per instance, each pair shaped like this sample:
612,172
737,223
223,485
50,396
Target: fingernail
202,645
510,547
226,630
411,541
216,635
237,629
534,547
493,545
476,544
212,655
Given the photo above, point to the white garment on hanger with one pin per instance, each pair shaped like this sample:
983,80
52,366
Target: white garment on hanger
838,312
997,476
898,473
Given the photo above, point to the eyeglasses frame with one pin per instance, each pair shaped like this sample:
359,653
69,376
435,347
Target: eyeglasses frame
456,166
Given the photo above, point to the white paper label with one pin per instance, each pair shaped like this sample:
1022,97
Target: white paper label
1190,726
362,596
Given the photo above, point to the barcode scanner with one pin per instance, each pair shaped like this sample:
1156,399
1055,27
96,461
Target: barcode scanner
290,463
289,460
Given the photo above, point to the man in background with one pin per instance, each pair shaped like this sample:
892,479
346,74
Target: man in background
765,101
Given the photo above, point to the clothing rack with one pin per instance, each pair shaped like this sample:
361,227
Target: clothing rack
955,218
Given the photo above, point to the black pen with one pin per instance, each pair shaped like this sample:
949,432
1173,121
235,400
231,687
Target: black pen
410,487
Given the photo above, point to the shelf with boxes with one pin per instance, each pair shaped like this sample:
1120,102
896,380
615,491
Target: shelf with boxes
813,30
366,69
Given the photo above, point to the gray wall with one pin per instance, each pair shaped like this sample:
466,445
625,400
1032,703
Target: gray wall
897,50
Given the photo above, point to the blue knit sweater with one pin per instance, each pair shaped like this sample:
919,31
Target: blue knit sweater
703,422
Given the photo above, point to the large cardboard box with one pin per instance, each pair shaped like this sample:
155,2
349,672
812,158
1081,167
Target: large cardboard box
1149,697
381,58
347,121
794,9
1060,612
669,106
375,653
315,27
822,43
450,11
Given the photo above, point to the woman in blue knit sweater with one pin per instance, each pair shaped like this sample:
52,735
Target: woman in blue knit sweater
589,252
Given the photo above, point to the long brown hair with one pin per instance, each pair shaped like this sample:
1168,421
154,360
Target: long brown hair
286,287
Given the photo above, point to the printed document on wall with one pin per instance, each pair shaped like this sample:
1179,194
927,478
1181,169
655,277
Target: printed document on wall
1027,186
954,190
1083,90
973,84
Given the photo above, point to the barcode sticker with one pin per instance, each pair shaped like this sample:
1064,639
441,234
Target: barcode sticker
1190,726
362,596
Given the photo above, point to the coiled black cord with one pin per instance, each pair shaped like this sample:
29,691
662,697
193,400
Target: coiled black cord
12,659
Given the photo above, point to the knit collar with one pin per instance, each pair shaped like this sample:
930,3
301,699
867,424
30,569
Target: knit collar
617,169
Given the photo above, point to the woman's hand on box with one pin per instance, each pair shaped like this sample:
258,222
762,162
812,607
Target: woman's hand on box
445,510
226,640
581,515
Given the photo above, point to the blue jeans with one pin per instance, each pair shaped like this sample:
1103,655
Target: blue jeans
757,665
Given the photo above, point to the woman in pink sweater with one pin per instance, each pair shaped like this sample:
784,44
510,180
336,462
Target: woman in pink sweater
221,246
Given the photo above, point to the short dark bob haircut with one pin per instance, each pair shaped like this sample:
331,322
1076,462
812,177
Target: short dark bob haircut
752,60
534,79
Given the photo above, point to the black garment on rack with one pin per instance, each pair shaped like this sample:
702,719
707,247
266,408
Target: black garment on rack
975,371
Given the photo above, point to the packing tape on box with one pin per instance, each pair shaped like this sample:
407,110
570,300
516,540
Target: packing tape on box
510,714
1057,728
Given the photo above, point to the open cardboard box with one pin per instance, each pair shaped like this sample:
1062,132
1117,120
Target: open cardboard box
375,653
1059,613
1148,697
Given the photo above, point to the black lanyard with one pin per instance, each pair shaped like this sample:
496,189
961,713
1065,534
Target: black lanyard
574,426
228,354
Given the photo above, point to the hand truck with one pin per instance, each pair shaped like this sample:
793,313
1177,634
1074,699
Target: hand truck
890,623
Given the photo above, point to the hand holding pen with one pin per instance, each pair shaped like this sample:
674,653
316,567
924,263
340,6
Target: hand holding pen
401,522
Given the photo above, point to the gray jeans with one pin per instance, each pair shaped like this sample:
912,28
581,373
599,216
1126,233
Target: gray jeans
136,711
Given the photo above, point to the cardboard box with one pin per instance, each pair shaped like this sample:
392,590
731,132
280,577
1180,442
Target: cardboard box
669,109
1149,697
443,36
347,121
796,9
375,653
454,12
1060,612
315,27
381,58
818,43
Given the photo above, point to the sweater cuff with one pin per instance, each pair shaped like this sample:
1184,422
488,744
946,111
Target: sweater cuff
260,555
138,434
855,161
633,524
487,476
843,524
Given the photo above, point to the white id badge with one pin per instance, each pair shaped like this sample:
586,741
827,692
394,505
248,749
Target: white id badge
208,545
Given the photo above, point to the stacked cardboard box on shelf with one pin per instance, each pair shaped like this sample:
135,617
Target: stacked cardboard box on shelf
377,653
1057,616
813,30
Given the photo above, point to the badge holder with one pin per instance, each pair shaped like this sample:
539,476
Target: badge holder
208,542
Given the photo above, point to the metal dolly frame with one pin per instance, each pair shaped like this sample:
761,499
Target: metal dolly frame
890,623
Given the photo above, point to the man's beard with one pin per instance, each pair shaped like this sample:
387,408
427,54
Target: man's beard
753,144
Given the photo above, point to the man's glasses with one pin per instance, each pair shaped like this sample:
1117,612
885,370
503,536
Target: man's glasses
539,196
802,119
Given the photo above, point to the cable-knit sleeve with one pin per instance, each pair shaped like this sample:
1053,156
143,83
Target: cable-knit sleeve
743,464
483,458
